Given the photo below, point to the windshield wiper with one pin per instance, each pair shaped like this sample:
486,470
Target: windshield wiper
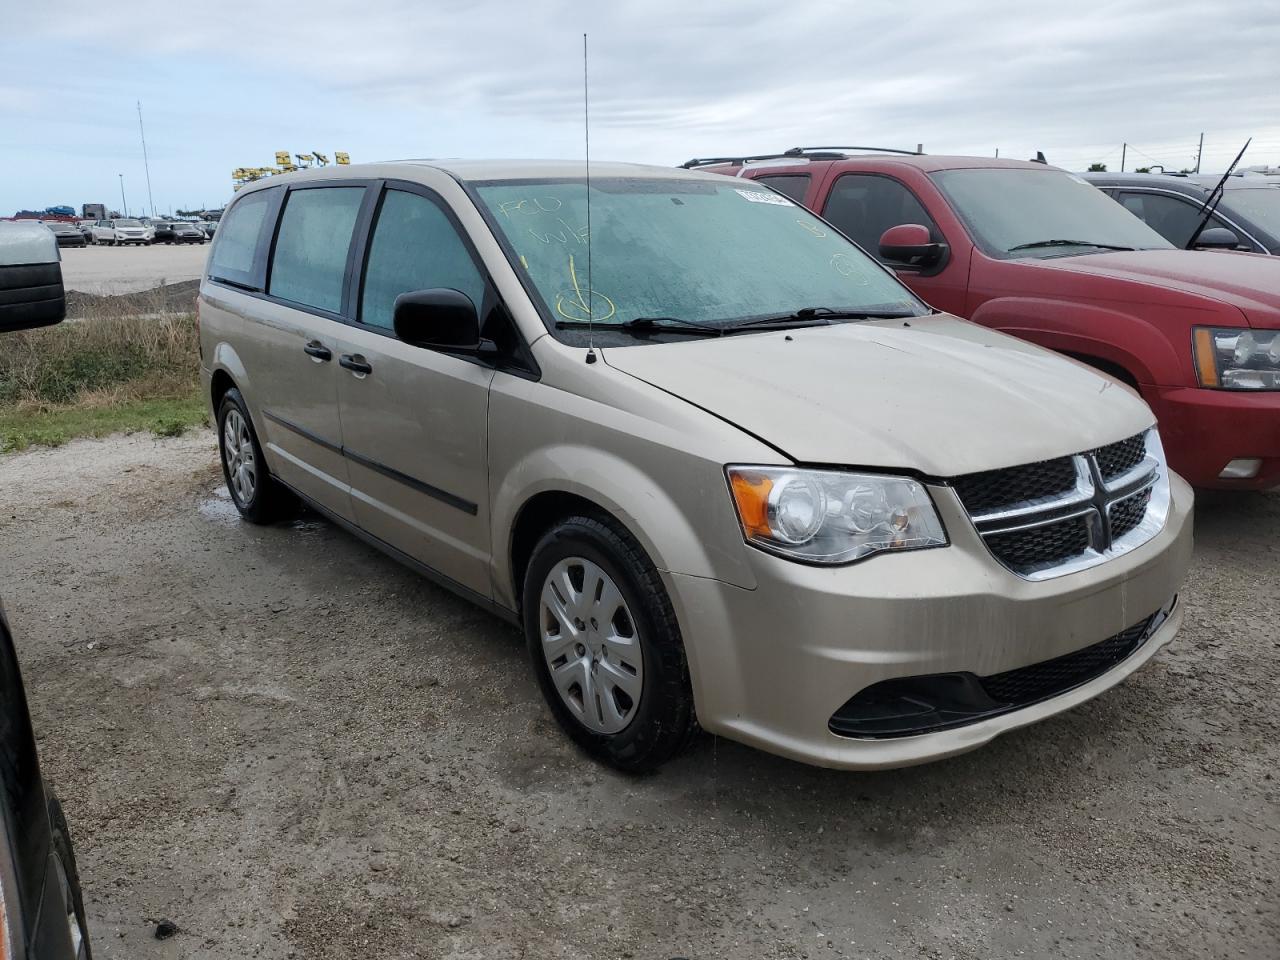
645,324
1067,243
811,316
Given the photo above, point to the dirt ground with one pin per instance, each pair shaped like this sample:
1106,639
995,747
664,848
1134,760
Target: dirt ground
291,747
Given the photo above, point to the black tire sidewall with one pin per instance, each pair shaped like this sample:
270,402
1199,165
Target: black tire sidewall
61,836
665,699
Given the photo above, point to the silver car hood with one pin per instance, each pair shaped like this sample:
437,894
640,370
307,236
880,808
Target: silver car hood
935,394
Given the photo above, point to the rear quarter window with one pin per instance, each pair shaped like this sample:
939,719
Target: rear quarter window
793,185
237,253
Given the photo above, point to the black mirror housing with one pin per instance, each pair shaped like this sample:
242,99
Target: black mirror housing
31,291
1217,238
438,319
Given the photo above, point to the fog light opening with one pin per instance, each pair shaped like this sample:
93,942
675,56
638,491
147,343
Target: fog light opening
1242,468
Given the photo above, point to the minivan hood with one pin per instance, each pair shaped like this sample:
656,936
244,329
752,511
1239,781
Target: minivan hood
934,394
1248,281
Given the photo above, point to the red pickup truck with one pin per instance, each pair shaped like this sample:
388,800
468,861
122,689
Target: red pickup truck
1038,253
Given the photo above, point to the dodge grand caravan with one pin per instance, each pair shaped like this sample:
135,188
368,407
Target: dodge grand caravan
720,465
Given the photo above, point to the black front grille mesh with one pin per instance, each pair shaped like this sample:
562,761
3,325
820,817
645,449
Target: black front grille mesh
1119,458
993,489
1128,513
1028,550
1040,681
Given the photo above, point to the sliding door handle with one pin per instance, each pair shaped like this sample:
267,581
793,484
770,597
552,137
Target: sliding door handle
318,350
356,363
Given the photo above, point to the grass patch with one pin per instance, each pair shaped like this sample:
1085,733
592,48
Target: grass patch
108,373
54,426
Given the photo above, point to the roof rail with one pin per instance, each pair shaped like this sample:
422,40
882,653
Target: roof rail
798,153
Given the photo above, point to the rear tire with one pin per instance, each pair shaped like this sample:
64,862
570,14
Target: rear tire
258,496
597,613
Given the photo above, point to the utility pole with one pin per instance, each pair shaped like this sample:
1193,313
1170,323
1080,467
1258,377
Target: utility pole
146,166
997,153
1124,149
123,202
1200,151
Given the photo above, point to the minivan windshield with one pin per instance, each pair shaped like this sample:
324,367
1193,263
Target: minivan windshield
691,251
1022,212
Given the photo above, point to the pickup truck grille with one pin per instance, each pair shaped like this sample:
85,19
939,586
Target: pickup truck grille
1053,517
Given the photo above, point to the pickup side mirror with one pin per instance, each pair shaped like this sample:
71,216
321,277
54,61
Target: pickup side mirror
1216,238
909,244
31,293
440,319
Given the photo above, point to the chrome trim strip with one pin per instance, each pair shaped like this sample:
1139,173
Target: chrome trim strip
1082,493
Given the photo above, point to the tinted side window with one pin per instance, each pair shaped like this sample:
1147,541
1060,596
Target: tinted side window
1171,217
791,185
414,247
232,257
864,206
310,258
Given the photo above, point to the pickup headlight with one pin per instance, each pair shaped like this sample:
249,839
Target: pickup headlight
829,516
1237,359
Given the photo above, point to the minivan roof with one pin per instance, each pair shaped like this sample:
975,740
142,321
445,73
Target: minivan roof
482,170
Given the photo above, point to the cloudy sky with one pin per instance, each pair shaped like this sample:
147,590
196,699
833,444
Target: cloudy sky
225,85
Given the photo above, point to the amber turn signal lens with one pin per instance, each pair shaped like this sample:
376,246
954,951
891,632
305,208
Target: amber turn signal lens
751,494
1206,358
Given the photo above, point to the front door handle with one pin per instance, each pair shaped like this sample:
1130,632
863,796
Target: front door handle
318,350
356,364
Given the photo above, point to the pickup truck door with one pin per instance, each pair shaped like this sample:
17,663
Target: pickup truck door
865,205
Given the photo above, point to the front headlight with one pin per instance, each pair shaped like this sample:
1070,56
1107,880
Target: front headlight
1237,359
829,516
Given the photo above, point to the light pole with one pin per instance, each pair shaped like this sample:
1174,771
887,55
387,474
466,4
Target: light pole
123,202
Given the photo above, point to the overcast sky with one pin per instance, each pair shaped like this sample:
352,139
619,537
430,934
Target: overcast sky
225,85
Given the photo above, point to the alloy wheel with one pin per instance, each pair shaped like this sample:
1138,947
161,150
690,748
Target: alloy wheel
237,454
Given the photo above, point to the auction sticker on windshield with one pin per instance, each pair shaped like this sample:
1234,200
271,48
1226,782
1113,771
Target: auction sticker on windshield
760,196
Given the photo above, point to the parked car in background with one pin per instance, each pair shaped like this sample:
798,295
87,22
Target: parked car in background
86,230
688,459
184,231
209,227
67,234
41,908
122,231
1041,254
1173,206
163,232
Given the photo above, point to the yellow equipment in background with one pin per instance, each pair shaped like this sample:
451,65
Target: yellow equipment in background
285,164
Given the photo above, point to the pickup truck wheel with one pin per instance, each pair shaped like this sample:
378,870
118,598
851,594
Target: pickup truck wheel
255,492
69,880
605,645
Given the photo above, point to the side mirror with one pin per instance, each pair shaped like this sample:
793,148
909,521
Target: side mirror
31,293
440,319
909,244
1216,238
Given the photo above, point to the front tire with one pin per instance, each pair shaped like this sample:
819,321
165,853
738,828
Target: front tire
258,496
605,645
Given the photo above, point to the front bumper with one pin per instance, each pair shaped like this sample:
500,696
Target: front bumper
772,665
1204,430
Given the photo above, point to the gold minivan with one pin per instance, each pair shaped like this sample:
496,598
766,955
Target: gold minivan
723,469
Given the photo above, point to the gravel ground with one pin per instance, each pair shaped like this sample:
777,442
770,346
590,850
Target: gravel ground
108,271
291,747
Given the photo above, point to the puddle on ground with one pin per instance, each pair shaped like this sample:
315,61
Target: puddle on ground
220,509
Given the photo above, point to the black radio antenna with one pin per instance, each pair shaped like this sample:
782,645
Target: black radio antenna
586,136
1211,201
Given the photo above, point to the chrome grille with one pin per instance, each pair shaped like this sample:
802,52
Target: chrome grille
1053,517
